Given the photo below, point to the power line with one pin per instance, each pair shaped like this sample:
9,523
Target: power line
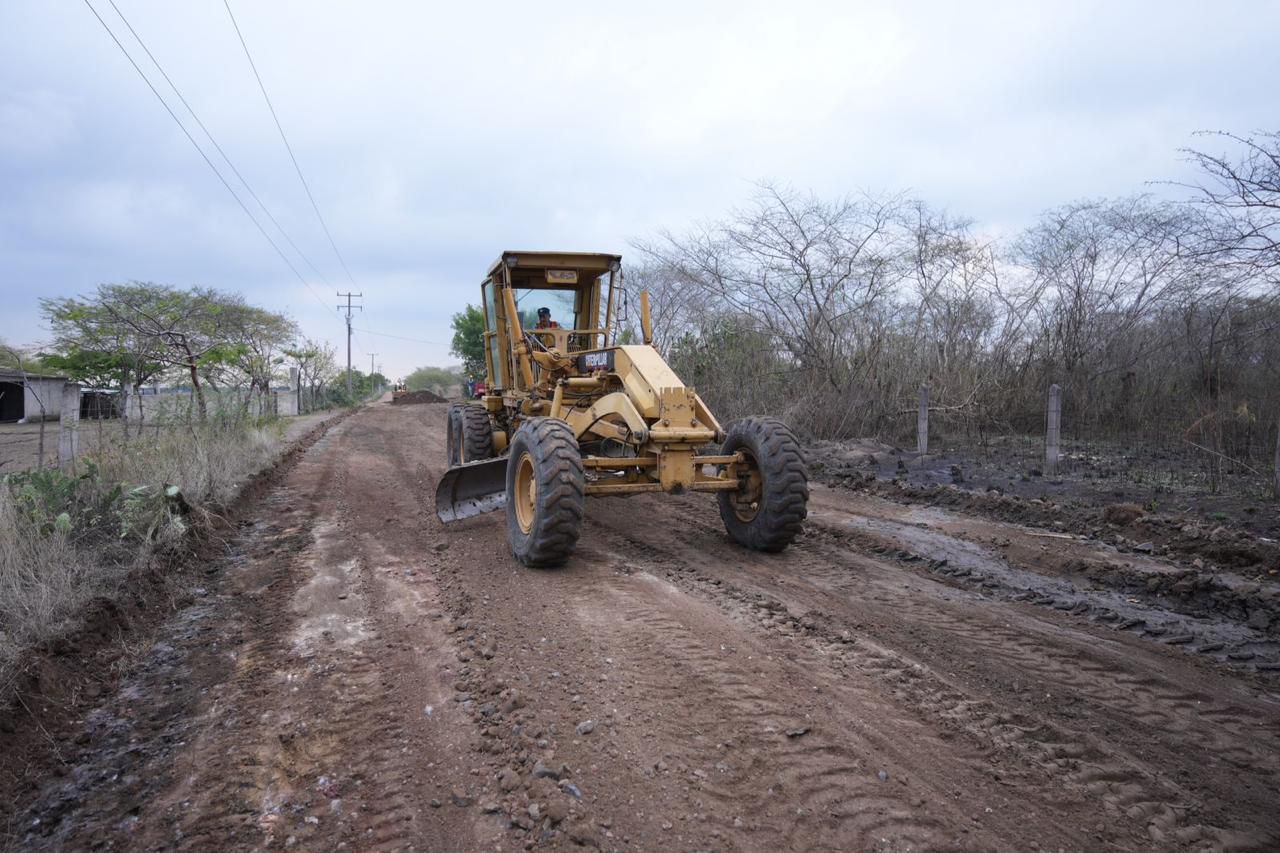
196,145
398,337
287,146
221,152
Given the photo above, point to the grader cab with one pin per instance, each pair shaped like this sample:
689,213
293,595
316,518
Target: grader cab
569,413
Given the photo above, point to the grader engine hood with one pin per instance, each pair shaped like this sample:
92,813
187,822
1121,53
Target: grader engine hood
675,413
666,417
657,409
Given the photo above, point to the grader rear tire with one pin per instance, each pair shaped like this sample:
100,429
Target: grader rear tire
768,510
470,434
477,434
546,489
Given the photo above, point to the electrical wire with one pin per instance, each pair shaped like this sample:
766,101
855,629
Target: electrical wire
200,150
218,147
287,146
398,337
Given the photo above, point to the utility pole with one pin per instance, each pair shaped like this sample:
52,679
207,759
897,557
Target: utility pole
349,306
371,355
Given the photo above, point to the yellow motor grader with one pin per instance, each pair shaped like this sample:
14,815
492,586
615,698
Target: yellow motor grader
569,412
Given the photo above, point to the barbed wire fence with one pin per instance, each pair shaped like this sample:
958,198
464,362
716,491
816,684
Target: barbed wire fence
1222,451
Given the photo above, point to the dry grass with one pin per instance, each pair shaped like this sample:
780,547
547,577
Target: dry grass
65,544
44,581
208,463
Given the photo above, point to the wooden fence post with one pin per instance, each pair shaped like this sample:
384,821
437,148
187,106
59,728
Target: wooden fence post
1053,430
69,427
922,422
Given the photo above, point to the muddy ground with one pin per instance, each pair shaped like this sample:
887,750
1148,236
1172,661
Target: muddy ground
351,675
1090,476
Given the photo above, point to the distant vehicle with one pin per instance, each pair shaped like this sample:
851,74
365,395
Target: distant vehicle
475,390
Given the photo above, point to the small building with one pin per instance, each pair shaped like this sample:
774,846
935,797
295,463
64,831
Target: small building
30,396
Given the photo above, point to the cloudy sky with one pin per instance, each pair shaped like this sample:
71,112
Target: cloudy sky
435,135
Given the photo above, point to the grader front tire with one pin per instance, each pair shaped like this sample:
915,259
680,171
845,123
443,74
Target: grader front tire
546,490
768,510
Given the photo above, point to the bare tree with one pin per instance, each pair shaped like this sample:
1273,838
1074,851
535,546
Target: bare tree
1102,268
1240,194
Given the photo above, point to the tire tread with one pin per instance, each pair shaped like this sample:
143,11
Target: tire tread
784,504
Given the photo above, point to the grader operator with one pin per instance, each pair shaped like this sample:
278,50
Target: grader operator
569,412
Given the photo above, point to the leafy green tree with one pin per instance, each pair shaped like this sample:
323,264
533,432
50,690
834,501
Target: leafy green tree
468,341
92,347
139,329
260,339
91,368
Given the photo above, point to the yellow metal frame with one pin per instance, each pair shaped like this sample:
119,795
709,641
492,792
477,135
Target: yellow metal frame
638,402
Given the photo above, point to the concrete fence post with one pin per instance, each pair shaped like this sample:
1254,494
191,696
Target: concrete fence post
1053,430
1276,485
69,427
922,422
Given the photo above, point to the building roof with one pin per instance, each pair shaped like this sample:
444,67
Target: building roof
9,374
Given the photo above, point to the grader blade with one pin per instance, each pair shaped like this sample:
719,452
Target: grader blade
472,489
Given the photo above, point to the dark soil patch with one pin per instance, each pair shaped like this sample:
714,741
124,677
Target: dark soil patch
413,398
1093,486
1222,568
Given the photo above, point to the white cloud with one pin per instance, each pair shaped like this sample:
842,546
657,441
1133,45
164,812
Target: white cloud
434,136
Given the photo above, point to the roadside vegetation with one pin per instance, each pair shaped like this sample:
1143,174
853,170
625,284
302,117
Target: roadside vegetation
1159,318
71,538
72,535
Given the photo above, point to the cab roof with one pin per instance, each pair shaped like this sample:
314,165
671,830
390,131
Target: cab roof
584,261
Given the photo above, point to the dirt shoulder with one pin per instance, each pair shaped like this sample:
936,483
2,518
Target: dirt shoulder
356,676
68,676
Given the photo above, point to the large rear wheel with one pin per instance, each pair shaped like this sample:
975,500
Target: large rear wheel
768,509
546,490
470,434
477,434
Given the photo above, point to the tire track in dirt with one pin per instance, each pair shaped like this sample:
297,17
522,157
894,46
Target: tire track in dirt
803,791
320,755
866,725
1123,782
306,731
1099,670
1092,668
1027,572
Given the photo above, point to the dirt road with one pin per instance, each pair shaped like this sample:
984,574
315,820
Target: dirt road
354,676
